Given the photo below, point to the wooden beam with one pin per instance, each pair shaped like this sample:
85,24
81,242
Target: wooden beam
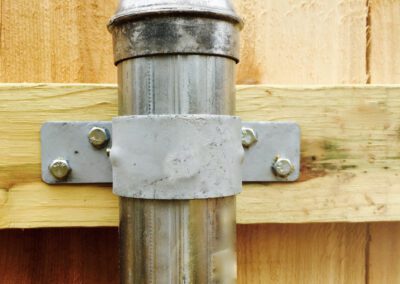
350,155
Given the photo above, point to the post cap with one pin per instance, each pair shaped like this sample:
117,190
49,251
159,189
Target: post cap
129,9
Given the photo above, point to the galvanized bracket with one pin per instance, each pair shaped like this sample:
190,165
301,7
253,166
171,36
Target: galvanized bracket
77,152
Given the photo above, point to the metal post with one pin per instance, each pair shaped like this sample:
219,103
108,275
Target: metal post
176,57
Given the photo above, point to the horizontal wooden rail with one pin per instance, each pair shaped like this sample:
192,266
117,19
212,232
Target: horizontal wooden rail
350,155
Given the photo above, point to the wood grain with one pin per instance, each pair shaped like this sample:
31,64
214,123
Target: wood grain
283,42
56,41
384,253
292,254
384,51
287,254
20,179
303,42
384,56
59,256
346,166
350,159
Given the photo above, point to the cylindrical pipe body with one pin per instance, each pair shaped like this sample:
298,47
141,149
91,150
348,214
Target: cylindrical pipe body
189,71
189,241
177,241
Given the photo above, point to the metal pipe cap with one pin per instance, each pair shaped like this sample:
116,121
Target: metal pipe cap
129,9
169,27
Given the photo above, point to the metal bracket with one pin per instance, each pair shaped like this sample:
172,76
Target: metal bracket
76,152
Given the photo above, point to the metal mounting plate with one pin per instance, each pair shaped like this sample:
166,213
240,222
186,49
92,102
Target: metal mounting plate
69,141
275,140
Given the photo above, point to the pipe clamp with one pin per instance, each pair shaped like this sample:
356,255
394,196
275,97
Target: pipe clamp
176,156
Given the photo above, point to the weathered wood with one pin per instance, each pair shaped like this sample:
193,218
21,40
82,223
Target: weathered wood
25,200
350,160
307,253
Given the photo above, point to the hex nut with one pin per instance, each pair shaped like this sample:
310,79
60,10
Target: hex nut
249,137
283,167
60,169
99,137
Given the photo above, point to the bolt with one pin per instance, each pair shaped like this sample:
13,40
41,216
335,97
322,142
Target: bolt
99,137
283,167
60,169
249,137
108,151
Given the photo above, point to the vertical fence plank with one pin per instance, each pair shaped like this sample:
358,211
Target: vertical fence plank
303,42
312,253
56,41
384,61
59,256
384,51
384,253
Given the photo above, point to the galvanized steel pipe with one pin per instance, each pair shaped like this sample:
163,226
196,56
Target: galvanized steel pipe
176,57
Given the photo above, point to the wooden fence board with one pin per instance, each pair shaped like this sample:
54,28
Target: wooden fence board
306,253
303,42
283,42
384,68
384,252
384,52
350,158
